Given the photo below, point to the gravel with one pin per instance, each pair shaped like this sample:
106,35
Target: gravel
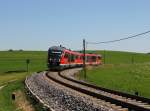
59,97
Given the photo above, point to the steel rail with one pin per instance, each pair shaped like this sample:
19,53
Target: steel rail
138,98
100,96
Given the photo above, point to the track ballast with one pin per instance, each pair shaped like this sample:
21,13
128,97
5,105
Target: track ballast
57,97
59,91
124,100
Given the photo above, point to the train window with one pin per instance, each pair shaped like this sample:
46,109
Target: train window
99,57
69,57
77,57
66,55
86,58
81,57
72,58
94,58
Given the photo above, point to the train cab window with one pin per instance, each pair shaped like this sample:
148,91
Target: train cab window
55,54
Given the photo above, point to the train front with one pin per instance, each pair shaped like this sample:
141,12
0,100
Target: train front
54,57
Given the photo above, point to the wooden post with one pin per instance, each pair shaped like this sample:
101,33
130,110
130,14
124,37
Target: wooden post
13,96
28,61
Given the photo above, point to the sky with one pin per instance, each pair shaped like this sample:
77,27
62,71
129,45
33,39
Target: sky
40,24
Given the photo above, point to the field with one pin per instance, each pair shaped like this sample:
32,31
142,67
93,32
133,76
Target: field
13,67
124,71
16,60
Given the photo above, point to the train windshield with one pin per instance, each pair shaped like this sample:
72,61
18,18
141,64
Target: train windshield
55,54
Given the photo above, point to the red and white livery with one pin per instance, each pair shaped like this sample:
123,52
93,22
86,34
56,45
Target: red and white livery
61,58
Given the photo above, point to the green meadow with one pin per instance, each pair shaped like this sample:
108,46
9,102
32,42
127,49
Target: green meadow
123,71
16,60
13,71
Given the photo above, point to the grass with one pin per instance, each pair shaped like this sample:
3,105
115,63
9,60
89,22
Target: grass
13,67
123,73
118,57
118,73
6,104
16,60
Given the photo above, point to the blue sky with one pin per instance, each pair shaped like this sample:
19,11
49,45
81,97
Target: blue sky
39,24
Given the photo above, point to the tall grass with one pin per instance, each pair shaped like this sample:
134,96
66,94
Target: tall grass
124,71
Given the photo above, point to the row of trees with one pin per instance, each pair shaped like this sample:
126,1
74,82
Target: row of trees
11,50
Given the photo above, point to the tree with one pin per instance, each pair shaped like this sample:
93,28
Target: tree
10,50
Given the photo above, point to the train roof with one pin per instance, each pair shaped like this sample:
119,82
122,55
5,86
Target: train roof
60,48
57,48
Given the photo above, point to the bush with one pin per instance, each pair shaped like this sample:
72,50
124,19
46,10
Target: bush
10,50
20,50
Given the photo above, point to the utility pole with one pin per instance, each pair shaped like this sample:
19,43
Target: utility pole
84,59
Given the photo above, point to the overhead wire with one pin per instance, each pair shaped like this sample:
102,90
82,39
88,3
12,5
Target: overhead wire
116,40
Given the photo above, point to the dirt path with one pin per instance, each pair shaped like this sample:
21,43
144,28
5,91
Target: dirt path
22,103
5,83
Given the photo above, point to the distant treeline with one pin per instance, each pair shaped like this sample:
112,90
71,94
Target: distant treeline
11,50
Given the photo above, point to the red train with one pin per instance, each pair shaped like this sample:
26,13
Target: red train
61,58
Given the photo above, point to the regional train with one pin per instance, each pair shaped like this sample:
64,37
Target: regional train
61,58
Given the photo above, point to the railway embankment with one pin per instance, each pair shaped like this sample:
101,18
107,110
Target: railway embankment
60,98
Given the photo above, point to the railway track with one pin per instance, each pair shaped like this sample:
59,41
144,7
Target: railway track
57,97
126,101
